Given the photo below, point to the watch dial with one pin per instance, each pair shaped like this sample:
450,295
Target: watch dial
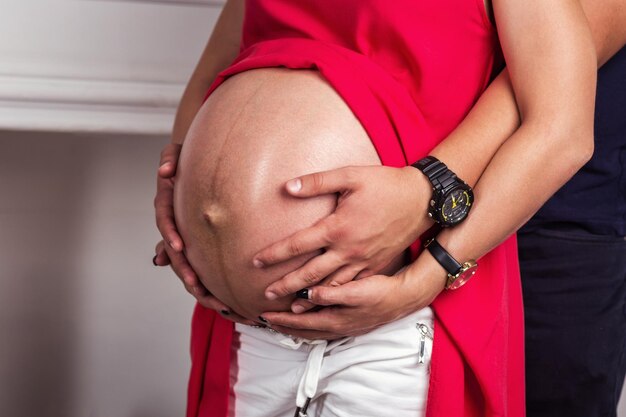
456,206
464,276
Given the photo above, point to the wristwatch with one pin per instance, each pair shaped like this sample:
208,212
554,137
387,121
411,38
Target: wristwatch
458,274
452,198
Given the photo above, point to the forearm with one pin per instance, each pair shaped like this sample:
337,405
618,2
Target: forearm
521,177
534,163
607,20
221,49
471,146
553,142
525,172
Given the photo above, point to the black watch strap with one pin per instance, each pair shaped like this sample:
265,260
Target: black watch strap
437,172
443,257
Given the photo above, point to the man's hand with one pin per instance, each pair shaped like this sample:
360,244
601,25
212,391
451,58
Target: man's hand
362,305
380,212
170,250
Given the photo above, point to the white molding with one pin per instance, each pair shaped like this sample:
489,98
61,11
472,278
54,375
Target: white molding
84,105
219,3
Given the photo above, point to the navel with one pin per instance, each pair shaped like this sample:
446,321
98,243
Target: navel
215,215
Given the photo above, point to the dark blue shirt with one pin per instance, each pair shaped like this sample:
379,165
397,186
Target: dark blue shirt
595,198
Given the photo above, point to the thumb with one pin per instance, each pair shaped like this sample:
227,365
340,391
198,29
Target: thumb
326,182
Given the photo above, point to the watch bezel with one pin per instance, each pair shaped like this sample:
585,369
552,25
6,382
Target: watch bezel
468,270
438,204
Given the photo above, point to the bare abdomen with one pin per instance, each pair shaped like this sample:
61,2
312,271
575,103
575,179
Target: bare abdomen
256,131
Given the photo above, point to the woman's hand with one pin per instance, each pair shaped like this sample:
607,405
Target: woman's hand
164,200
166,256
362,305
170,250
380,212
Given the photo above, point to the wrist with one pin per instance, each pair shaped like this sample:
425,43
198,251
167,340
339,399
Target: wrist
456,243
424,279
421,192
458,273
451,197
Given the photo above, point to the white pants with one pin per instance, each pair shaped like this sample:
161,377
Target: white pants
379,374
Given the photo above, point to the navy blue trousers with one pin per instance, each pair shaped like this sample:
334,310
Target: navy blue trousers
574,286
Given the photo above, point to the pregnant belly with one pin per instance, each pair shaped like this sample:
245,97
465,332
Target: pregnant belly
257,130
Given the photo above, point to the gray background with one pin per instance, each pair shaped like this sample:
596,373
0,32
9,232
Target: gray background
88,327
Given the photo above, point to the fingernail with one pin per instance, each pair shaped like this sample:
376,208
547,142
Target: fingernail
297,309
164,163
271,295
225,312
263,320
294,185
154,261
171,243
304,294
257,263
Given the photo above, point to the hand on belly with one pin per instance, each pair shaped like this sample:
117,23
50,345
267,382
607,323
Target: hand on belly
376,219
256,131
360,306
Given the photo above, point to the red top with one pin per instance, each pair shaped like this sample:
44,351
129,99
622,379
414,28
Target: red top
410,70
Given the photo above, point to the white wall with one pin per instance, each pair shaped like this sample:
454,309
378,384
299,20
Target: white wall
88,89
88,327
98,65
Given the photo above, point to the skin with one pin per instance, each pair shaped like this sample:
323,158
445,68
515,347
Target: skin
220,51
258,129
488,125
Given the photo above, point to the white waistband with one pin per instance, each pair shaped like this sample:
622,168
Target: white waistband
316,350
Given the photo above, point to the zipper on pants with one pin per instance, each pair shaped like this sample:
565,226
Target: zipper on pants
425,332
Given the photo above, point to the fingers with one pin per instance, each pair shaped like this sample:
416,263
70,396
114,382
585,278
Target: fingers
164,200
308,275
343,275
349,294
161,258
334,321
301,306
184,271
239,319
340,277
192,284
169,160
305,321
164,210
304,241
208,300
326,182
307,334
211,302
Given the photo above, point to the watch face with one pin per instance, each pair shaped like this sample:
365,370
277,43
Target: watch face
469,269
456,205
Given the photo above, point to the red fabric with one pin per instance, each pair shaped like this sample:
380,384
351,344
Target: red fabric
410,71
